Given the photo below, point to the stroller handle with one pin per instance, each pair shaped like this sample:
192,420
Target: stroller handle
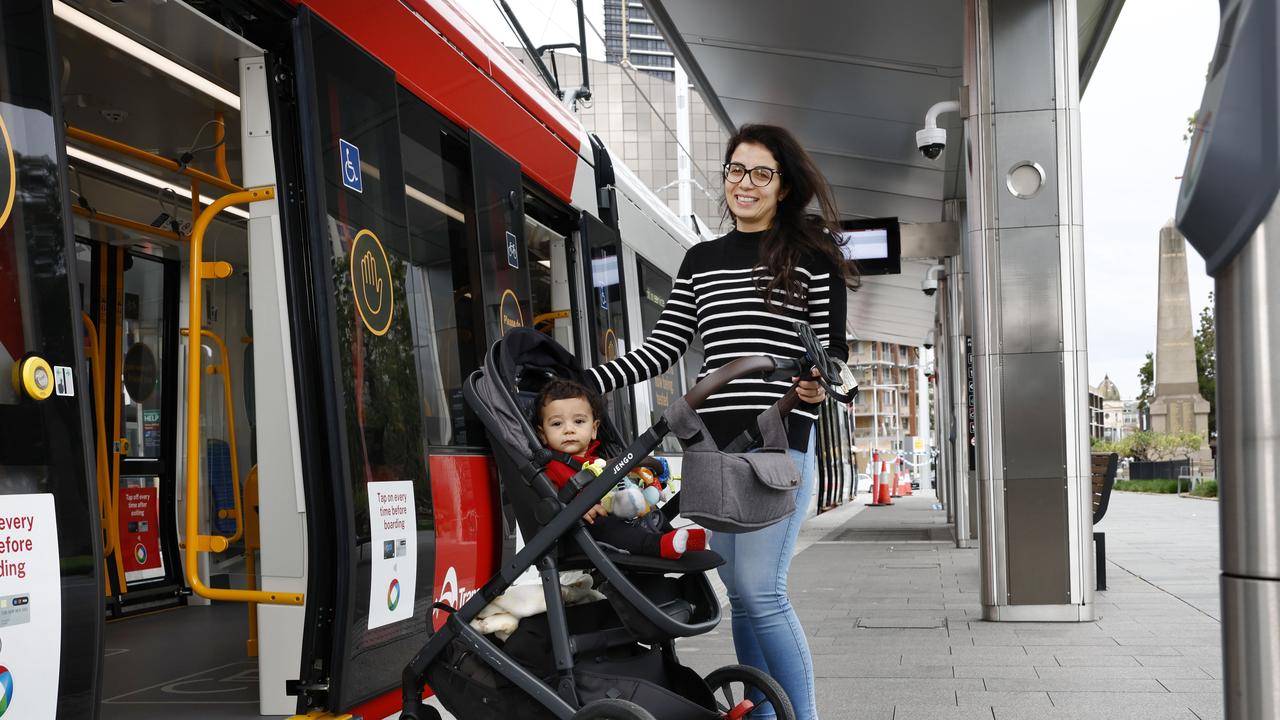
761,365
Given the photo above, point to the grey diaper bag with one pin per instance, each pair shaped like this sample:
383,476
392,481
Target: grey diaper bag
733,492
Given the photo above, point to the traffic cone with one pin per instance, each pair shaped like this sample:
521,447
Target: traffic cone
876,479
885,498
895,488
906,483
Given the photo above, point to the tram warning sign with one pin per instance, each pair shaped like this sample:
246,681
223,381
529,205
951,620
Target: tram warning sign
349,155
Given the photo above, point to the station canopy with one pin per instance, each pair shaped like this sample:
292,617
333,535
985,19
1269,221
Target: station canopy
852,79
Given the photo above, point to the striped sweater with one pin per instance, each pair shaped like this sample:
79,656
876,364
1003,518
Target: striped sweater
716,294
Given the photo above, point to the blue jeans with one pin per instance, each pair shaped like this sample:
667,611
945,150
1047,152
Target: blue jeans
766,631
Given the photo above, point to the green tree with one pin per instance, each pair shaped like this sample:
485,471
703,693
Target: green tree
1207,363
1146,378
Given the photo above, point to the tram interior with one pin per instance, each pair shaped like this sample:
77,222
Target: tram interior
162,645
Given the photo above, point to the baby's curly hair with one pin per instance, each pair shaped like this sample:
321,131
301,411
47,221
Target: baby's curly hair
562,389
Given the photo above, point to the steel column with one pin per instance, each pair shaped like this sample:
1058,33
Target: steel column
1024,251
1248,461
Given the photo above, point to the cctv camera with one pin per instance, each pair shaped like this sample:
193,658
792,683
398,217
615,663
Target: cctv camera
931,142
928,341
933,139
929,285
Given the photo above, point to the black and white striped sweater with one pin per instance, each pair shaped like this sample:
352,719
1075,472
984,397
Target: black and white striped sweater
716,295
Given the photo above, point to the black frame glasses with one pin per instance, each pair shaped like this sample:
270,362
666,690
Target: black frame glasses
734,172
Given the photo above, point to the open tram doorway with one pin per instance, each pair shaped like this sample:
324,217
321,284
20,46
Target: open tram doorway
152,101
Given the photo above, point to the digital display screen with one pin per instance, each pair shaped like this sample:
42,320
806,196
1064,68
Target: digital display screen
870,244
875,244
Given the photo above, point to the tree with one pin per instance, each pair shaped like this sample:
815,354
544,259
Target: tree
1207,363
1146,378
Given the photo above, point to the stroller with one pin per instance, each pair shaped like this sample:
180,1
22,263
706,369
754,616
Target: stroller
613,659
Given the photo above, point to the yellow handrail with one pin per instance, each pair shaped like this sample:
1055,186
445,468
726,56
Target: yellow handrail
106,509
150,158
195,542
119,445
126,223
223,368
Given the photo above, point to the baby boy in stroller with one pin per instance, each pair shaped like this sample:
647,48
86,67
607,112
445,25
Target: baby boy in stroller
567,420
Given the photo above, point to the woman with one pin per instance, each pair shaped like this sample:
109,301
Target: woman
740,294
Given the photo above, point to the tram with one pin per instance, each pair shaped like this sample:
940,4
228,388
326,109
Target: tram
250,250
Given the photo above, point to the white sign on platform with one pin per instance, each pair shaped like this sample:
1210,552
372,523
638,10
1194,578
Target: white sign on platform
393,527
30,606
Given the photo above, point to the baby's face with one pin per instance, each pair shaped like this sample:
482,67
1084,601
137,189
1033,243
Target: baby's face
568,425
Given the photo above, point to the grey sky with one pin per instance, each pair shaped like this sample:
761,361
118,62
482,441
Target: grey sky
1133,117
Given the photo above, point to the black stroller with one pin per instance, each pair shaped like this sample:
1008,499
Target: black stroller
613,659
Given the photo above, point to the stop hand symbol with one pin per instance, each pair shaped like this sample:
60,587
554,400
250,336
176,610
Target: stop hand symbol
371,279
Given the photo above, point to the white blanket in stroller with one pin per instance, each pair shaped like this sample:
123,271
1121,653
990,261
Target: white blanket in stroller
502,616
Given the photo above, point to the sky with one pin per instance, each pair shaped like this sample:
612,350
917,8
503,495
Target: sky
1133,117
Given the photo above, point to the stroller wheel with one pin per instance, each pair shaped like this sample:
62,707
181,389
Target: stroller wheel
610,709
741,691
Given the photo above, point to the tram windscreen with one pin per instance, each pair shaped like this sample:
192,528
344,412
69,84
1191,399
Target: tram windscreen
875,244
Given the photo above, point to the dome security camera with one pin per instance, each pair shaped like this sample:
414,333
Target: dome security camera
932,140
928,340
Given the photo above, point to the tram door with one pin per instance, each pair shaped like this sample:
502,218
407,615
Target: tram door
129,302
50,597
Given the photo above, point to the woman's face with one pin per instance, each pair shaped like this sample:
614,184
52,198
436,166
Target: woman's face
753,207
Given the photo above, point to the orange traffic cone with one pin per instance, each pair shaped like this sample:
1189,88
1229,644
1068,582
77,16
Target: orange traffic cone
885,497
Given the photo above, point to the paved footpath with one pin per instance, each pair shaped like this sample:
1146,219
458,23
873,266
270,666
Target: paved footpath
893,614
893,618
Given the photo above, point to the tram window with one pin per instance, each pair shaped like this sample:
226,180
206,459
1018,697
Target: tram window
548,271
655,287
142,336
606,298
438,201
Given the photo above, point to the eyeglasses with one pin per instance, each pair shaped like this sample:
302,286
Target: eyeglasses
760,175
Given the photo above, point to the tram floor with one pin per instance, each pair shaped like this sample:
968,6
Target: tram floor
187,662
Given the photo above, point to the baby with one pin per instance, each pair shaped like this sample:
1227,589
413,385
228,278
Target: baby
568,417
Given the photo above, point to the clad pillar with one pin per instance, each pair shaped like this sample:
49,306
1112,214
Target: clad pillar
1024,247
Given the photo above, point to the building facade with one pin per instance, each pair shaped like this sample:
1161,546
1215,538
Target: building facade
631,38
886,417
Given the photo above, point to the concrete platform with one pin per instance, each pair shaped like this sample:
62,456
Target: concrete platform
895,628
893,617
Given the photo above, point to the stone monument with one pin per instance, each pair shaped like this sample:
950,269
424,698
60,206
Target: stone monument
1177,406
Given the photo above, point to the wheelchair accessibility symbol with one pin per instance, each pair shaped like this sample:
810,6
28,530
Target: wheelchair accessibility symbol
371,282
349,156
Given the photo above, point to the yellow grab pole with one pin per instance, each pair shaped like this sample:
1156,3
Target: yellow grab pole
109,524
195,542
119,444
126,223
106,143
223,368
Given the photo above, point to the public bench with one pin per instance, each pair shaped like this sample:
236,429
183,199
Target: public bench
1103,466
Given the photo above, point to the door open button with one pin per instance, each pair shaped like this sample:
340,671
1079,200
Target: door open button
33,376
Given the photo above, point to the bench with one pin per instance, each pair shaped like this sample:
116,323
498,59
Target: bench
1103,466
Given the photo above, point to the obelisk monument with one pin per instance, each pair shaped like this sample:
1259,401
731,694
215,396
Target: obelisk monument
1178,406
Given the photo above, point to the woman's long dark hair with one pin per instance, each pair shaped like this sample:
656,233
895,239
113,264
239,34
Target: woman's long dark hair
796,233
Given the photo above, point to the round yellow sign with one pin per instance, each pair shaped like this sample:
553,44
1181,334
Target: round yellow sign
8,174
509,313
371,284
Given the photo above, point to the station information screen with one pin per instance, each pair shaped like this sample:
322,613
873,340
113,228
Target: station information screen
875,244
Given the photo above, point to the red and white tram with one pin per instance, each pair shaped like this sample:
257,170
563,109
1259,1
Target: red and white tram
251,250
